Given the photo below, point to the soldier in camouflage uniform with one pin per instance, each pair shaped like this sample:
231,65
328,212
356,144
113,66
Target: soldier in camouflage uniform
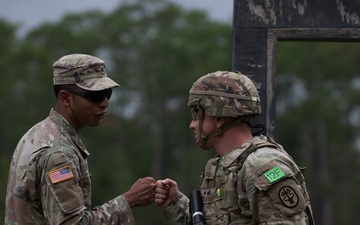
252,180
49,180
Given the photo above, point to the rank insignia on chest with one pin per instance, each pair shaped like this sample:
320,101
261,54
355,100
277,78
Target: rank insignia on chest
61,174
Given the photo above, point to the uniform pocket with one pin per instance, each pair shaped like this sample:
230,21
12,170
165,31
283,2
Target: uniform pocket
67,192
219,219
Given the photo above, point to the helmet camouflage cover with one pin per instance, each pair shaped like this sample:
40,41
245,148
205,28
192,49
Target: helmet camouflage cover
225,94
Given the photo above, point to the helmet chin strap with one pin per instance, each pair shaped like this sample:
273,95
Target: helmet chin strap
205,137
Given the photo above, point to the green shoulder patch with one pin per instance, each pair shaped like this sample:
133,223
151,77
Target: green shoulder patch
274,174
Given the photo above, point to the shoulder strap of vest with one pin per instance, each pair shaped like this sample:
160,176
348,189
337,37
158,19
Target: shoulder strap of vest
240,155
257,143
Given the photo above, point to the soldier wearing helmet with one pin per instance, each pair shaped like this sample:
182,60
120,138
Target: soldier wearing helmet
251,180
49,179
223,94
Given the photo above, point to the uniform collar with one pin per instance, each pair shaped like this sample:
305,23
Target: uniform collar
69,130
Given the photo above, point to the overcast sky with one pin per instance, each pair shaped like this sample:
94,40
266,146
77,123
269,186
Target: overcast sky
29,13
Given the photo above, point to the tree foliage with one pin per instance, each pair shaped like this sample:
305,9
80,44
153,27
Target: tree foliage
318,122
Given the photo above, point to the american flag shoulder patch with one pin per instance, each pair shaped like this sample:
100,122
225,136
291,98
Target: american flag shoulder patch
61,174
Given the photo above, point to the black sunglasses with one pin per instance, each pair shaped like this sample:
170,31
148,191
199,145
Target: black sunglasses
94,96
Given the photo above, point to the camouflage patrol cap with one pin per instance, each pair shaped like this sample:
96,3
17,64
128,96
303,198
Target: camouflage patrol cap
86,71
225,94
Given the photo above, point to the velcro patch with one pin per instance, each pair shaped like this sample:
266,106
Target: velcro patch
61,174
274,174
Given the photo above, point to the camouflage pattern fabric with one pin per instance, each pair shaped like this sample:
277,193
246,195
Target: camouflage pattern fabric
268,189
178,210
49,180
225,94
86,71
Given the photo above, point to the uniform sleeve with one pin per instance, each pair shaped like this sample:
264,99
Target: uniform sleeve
62,196
116,211
274,194
178,210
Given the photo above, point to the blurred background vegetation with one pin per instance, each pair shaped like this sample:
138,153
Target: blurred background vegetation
156,50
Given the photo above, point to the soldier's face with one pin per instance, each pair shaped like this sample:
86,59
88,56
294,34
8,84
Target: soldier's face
207,126
87,112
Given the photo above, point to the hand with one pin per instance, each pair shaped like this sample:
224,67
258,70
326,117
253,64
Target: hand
165,191
141,193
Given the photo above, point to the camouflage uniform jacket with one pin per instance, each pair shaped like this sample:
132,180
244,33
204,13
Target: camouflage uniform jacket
268,188
49,180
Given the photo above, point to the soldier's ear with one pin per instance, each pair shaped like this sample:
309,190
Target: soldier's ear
64,97
220,121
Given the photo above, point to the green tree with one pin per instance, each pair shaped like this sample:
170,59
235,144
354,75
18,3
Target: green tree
318,122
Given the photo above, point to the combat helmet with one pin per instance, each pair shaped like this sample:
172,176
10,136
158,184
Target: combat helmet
225,94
